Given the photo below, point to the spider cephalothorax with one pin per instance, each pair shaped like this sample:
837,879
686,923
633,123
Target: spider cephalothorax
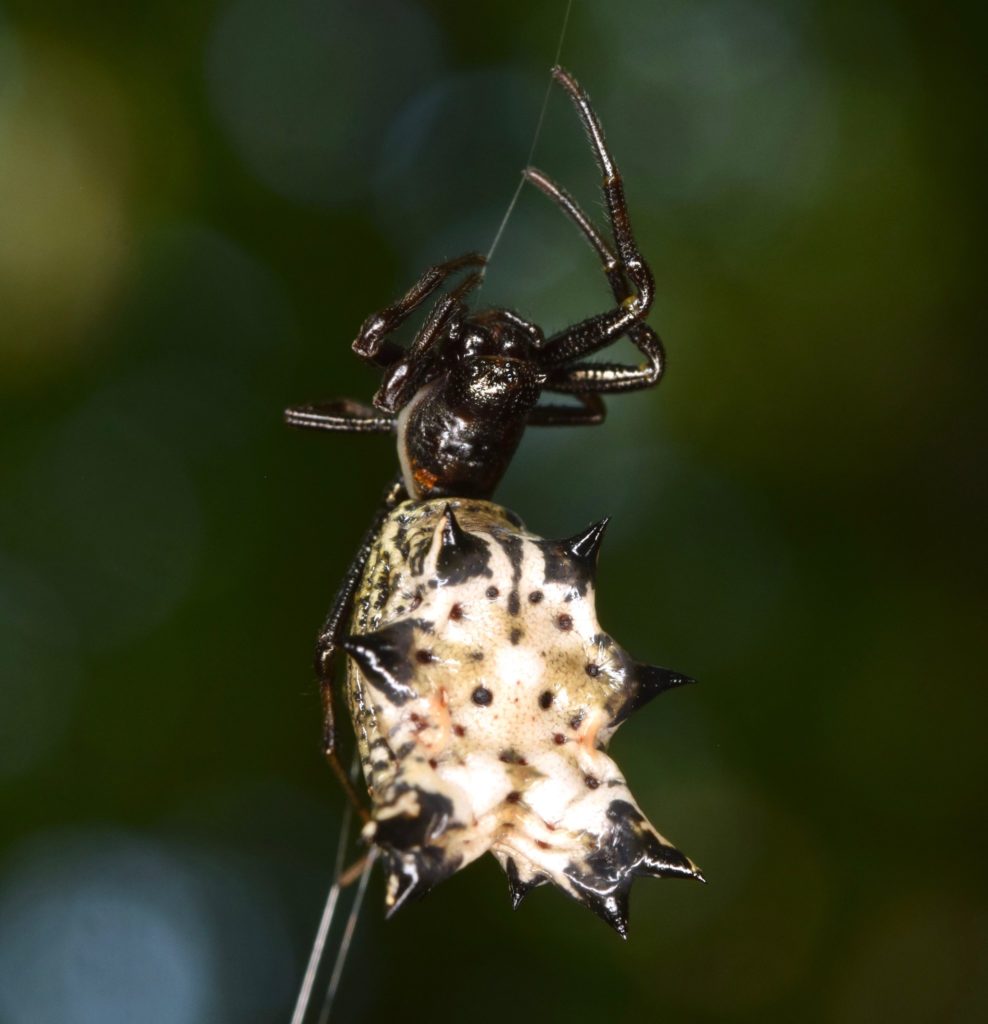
484,693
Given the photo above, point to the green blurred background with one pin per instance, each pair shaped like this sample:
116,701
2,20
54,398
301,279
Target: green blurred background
199,203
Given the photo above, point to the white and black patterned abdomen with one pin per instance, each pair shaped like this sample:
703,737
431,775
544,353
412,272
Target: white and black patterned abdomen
483,693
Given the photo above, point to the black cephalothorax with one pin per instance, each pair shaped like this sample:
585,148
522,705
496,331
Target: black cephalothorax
463,392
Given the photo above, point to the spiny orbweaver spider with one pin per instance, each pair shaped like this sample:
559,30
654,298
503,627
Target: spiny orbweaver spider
482,689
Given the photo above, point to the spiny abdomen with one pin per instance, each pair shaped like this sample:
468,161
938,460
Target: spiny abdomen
484,693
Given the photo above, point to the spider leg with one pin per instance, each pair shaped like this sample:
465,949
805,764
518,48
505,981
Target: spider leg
632,261
442,313
342,415
371,344
612,378
617,377
596,332
589,413
402,380
331,635
609,262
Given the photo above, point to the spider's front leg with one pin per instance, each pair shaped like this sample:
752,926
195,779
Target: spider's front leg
346,416
633,303
632,261
371,342
406,376
602,377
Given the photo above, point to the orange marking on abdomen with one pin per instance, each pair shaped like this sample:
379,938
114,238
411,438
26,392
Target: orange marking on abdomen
424,478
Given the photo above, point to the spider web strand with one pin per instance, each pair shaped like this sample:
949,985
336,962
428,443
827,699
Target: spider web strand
325,924
535,140
345,942
304,1000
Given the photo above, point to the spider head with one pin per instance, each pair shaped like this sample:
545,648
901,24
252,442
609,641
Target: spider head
493,334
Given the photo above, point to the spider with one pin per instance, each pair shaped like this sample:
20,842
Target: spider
461,395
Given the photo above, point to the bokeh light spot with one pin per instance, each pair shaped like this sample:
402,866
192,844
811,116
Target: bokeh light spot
450,160
122,523
301,87
916,960
40,667
100,927
64,222
98,931
737,102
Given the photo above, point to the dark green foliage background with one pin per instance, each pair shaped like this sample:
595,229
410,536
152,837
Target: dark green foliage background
199,203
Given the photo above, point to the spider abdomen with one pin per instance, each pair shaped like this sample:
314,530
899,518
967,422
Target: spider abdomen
484,693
